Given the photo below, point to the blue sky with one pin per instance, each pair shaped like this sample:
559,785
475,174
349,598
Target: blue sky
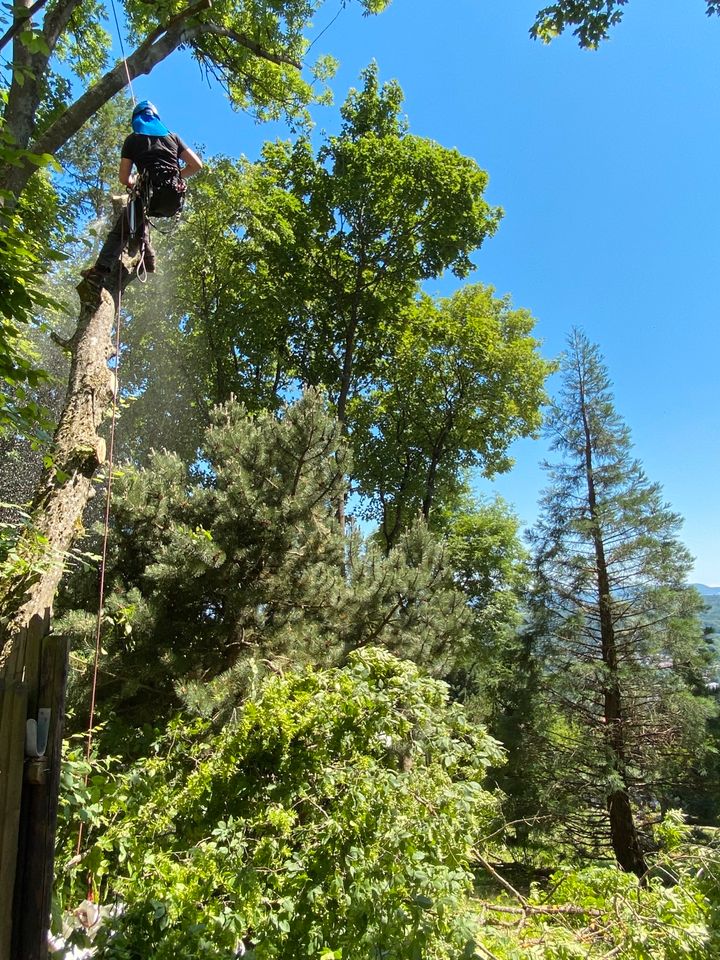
606,164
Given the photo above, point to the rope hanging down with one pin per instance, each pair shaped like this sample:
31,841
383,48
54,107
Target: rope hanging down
122,50
111,461
106,533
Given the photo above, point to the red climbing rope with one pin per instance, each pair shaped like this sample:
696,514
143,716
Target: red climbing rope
106,532
108,493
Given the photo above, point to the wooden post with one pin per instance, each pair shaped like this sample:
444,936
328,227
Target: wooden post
13,712
38,812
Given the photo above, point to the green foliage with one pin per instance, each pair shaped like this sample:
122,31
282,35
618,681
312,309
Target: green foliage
597,911
19,556
297,270
23,257
243,568
488,559
304,269
269,86
374,213
254,51
462,381
490,567
333,815
591,20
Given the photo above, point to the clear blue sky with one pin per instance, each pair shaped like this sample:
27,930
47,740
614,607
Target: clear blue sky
606,164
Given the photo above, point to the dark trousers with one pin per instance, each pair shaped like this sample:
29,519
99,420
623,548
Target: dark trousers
119,239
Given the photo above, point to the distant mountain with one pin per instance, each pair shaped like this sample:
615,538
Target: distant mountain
706,591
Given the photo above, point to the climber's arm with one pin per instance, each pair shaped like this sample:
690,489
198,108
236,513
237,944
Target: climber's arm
127,177
192,162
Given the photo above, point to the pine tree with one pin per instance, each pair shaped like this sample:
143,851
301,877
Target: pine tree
220,574
623,651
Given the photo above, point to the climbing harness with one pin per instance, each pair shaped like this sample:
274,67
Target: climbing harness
156,195
153,195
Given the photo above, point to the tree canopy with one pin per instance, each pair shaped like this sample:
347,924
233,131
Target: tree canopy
312,627
60,73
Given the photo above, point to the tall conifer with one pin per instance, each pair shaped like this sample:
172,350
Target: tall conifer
623,646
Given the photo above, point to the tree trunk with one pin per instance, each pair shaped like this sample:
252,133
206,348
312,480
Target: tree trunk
65,487
62,494
623,831
24,93
344,393
22,16
435,459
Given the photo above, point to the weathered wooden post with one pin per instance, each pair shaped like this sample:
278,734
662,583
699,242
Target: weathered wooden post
38,811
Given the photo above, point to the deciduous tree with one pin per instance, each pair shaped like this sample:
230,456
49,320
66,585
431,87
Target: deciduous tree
462,380
359,225
253,49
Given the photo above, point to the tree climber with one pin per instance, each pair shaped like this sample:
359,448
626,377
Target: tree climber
159,185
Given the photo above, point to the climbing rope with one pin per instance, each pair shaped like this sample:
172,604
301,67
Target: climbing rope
105,538
122,50
111,461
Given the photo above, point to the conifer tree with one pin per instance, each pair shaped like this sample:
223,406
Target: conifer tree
623,648
241,568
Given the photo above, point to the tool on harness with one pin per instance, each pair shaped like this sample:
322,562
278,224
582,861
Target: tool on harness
156,195
152,195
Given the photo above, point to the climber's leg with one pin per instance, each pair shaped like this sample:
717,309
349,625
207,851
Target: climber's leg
149,260
110,251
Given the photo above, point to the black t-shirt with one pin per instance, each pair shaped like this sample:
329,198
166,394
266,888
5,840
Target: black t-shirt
157,154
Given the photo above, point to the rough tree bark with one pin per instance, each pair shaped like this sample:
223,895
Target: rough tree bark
27,598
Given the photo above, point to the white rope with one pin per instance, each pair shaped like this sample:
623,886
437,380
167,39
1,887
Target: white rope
122,50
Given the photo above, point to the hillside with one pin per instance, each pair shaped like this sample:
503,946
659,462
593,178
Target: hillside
711,615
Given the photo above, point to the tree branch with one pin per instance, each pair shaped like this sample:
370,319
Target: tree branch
159,45
57,19
245,41
501,880
163,41
20,21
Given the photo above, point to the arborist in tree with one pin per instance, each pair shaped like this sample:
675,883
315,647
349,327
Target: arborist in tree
157,189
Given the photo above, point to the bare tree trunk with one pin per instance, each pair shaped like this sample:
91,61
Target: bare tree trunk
62,494
344,393
65,487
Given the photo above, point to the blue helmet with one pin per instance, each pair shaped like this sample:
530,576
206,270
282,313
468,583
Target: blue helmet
146,120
